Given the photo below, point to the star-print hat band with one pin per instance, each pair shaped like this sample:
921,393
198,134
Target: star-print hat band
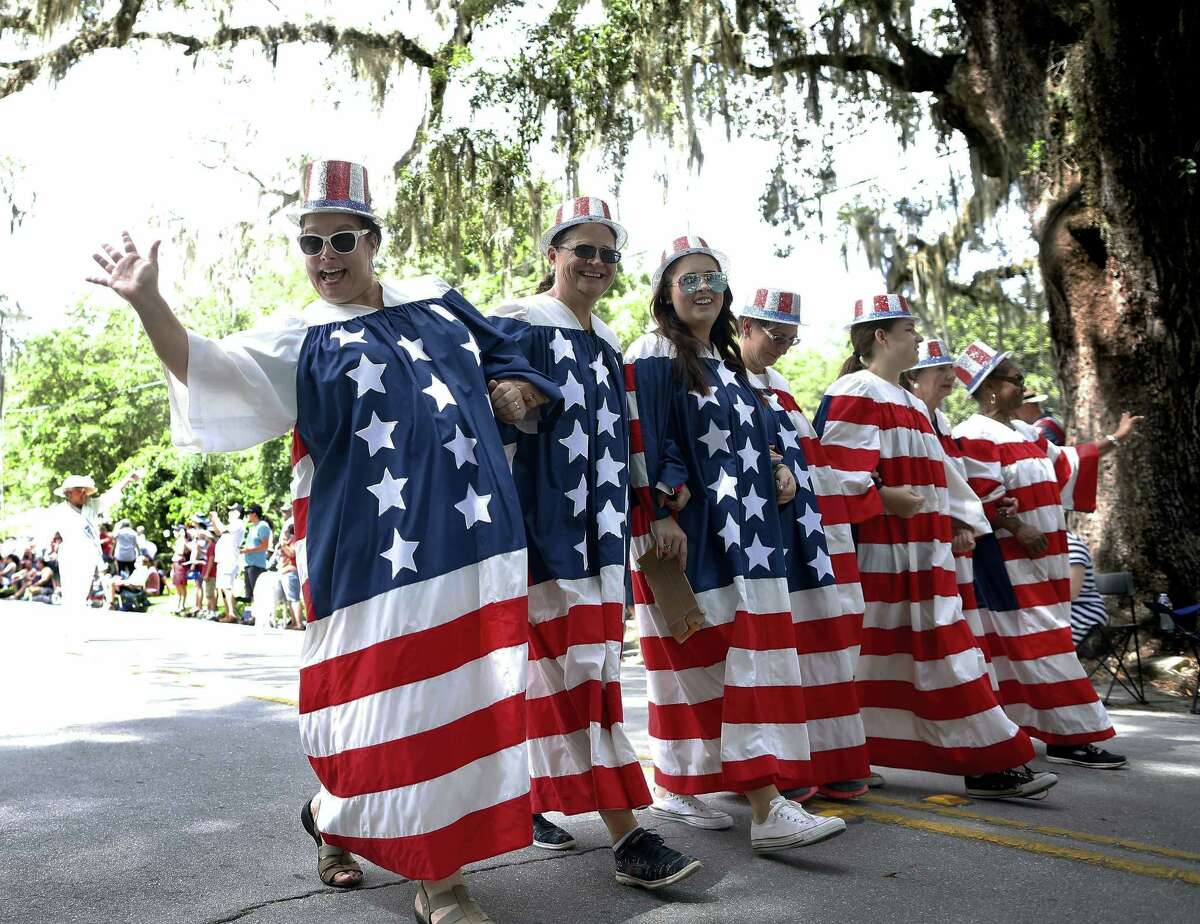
583,210
880,308
679,248
334,186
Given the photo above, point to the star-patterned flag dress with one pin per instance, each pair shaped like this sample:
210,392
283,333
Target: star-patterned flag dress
411,550
828,619
727,705
572,475
926,700
966,507
1043,686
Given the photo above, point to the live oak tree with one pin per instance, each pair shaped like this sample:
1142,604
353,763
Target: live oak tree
1083,110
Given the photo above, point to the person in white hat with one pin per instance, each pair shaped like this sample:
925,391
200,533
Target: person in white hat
76,520
727,705
926,698
580,757
827,638
409,538
1023,569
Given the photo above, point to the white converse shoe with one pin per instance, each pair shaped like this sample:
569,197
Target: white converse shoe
689,810
789,825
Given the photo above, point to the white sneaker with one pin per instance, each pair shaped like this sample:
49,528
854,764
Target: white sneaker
789,825
689,810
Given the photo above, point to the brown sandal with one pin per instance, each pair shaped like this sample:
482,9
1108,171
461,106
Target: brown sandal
330,860
453,907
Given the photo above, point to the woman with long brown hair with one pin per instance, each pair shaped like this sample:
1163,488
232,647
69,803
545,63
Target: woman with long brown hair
727,703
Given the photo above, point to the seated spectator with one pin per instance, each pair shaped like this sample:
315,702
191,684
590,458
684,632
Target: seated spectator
40,586
1087,606
128,592
10,567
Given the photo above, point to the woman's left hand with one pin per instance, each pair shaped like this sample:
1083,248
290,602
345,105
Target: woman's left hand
785,484
1126,425
509,400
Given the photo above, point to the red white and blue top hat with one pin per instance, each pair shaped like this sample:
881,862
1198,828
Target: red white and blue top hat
334,186
930,353
880,308
977,362
582,211
774,305
682,246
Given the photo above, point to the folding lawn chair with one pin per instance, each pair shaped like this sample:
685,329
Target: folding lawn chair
1182,624
1113,643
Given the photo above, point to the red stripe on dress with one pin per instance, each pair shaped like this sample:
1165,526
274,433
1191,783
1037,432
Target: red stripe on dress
1042,593
786,401
865,506
630,378
709,646
1056,544
830,700
1010,453
300,517
1058,695
600,789
775,705
921,527
299,450
833,634
941,705
920,755
581,625
851,460
1035,496
1086,481
426,755
908,585
413,657
478,836
912,470
928,645
1070,740
310,611
852,763
636,443
882,414
740,776
575,709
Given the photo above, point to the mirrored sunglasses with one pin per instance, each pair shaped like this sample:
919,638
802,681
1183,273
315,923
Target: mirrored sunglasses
690,282
781,339
341,242
589,251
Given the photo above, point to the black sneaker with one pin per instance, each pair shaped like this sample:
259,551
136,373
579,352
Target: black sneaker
1084,755
644,860
1016,782
549,836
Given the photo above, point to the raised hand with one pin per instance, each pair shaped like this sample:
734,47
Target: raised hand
1125,426
127,272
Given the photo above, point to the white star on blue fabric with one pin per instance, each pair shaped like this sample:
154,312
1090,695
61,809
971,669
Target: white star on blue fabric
443,312
609,519
753,504
474,507
822,564
702,399
378,434
803,478
715,440
343,336
600,369
608,470
605,420
562,347
730,533
438,391
472,347
773,402
750,456
581,548
388,492
367,376
811,521
572,392
759,555
578,496
414,348
463,448
787,437
725,486
745,411
727,375
576,443
401,553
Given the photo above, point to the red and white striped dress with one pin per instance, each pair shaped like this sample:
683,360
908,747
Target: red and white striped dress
827,638
925,697
1042,684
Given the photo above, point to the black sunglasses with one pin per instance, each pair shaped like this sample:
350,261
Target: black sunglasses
1017,380
589,251
341,242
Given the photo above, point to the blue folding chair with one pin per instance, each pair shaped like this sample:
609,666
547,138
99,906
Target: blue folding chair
1182,623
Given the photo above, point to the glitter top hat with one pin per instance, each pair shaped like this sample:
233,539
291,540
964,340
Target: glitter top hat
932,352
682,246
582,211
880,308
774,305
977,362
334,186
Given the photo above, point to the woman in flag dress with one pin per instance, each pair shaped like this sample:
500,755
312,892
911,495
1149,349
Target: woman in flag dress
1023,569
571,473
828,619
409,538
727,704
924,693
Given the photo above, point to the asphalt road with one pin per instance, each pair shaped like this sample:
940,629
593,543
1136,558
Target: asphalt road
157,778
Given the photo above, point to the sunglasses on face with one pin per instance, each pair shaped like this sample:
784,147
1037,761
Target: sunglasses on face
589,251
690,282
341,242
1018,380
781,339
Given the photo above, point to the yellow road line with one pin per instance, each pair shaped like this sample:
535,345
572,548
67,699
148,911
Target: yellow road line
1048,830
1076,854
276,699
